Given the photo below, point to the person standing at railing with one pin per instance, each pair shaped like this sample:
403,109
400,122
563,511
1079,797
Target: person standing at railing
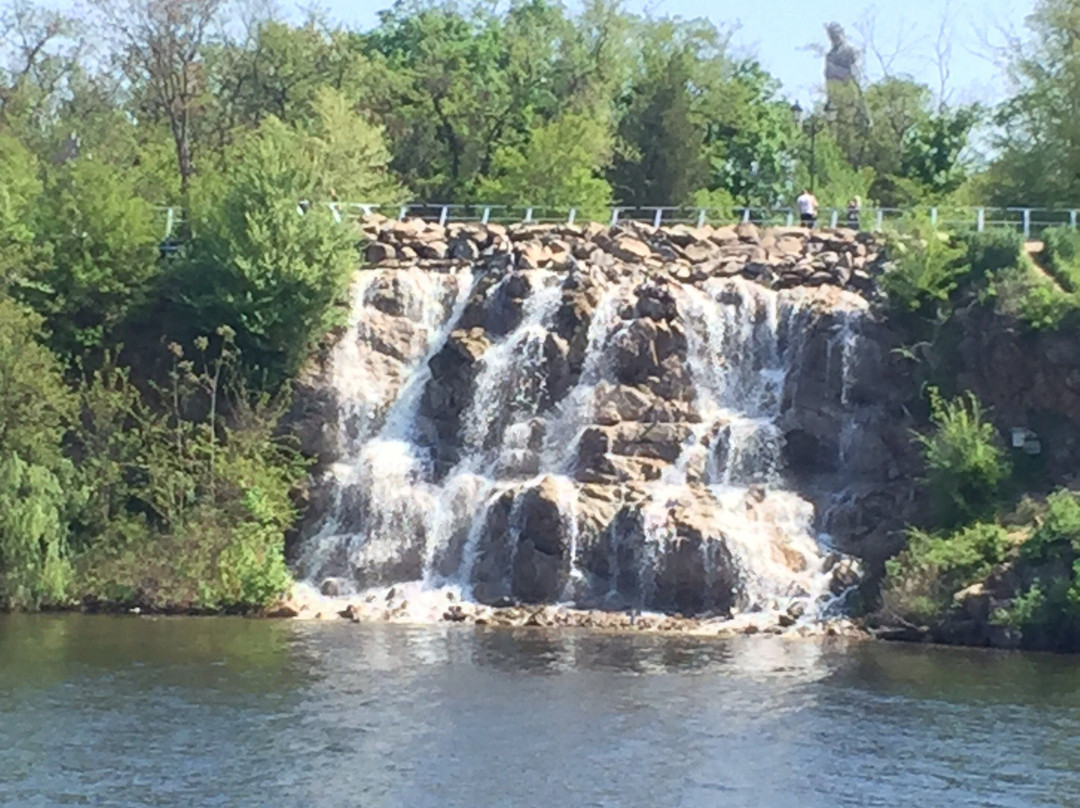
853,208
807,204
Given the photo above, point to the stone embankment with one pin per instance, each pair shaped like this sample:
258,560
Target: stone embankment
779,258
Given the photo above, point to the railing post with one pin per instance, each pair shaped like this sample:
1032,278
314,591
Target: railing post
980,219
528,215
879,219
746,214
834,218
1072,219
790,218
444,214
572,216
403,212
933,215
1027,222
169,219
486,215
614,216
701,216
658,217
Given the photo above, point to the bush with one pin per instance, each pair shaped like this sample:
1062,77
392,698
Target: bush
920,582
923,273
1058,529
965,465
1047,613
992,251
1061,254
193,510
1036,300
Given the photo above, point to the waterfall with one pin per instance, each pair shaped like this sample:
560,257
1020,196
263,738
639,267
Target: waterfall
597,440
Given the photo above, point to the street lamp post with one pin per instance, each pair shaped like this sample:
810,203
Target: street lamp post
812,125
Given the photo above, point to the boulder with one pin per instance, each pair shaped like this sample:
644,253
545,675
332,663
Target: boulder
377,252
540,564
629,249
749,232
398,337
431,250
634,351
698,252
531,255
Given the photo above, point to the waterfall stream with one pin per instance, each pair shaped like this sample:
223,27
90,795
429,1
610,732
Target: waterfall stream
613,443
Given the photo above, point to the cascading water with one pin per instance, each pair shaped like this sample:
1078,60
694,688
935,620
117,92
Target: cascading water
614,443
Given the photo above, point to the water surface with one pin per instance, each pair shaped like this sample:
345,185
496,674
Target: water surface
107,711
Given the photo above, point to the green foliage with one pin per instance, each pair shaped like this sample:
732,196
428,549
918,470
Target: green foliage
185,512
1037,131
923,272
993,251
259,267
751,145
559,167
920,582
1036,300
932,149
36,496
965,465
103,241
20,190
1047,611
1061,254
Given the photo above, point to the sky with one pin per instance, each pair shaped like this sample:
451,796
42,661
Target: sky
782,34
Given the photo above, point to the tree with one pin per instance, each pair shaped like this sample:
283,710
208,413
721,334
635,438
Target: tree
463,84
160,49
665,112
1039,126
36,495
103,241
259,267
559,167
752,138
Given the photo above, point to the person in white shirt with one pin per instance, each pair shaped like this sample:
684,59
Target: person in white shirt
807,205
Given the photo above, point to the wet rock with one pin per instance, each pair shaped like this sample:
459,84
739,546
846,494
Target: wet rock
634,349
397,337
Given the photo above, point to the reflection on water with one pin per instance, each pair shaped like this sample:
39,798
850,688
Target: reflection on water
197,712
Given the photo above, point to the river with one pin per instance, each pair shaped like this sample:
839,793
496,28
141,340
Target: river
111,711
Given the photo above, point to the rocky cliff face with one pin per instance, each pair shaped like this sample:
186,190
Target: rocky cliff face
702,421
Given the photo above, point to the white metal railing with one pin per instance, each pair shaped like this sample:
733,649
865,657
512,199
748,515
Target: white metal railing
1028,221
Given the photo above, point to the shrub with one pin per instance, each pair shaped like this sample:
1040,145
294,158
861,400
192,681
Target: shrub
1061,254
965,465
193,510
1036,300
1047,613
923,272
1058,530
992,251
920,582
